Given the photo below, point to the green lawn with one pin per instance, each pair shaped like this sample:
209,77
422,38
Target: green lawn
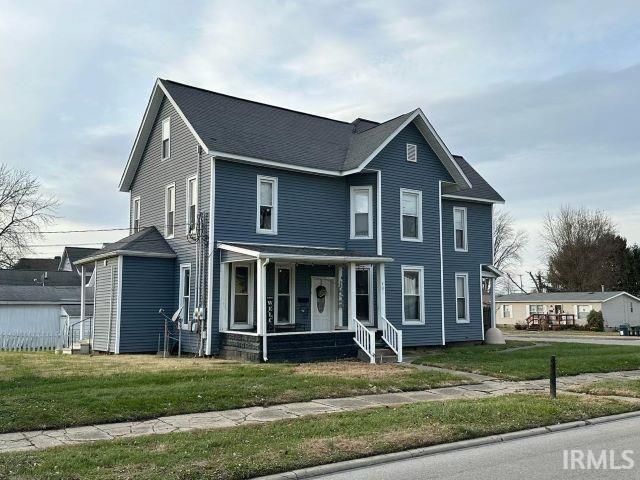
510,363
43,390
623,388
248,451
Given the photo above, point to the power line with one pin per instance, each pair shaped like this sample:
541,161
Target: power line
111,229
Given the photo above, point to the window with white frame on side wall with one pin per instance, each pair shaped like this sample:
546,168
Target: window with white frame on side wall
192,204
166,138
135,215
412,295
267,205
460,228
185,294
361,224
462,297
410,215
170,210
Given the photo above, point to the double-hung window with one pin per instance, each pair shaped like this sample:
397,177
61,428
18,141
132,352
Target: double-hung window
411,215
284,298
462,297
135,215
412,295
533,309
507,312
166,138
170,210
460,228
192,203
185,293
361,216
242,296
364,299
267,205
583,312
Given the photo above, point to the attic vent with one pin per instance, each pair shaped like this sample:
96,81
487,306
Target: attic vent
412,152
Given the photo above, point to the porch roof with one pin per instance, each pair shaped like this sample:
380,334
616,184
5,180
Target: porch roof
242,251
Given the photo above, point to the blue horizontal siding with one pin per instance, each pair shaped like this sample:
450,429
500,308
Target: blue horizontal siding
424,175
479,239
147,286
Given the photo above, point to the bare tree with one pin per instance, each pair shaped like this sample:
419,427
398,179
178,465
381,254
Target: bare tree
508,245
23,211
583,250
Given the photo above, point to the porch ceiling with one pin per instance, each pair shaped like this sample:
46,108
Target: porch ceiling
322,255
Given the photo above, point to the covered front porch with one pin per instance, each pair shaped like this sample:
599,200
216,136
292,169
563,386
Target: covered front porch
300,303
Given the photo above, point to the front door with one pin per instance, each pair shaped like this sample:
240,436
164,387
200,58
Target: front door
323,304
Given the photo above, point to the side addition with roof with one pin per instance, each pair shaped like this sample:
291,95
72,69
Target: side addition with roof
293,236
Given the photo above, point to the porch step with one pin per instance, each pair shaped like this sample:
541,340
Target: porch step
383,355
81,348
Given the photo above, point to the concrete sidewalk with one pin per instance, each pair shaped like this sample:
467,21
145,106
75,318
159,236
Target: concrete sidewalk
36,440
588,339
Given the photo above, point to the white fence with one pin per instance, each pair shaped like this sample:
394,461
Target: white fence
29,341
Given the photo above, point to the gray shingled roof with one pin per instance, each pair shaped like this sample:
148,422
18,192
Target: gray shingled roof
74,310
480,188
28,277
37,264
558,297
147,240
243,127
40,294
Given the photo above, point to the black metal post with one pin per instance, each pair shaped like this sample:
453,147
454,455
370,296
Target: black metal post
552,377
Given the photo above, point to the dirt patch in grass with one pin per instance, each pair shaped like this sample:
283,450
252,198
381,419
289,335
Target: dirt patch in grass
354,370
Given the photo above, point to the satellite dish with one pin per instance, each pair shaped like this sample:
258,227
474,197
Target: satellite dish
176,315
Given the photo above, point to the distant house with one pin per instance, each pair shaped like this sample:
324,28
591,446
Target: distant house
617,307
42,296
38,309
37,264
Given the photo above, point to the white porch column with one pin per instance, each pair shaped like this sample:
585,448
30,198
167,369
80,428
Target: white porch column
382,308
493,303
261,298
223,302
82,300
351,297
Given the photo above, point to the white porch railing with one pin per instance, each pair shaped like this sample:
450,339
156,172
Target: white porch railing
392,337
366,340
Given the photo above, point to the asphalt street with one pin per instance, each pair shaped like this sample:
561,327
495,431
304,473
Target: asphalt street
539,457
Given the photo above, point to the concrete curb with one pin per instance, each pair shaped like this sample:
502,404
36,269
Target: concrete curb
443,448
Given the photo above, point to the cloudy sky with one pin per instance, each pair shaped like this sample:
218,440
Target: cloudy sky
543,99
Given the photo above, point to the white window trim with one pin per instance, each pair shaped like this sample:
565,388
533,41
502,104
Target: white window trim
274,207
466,318
368,268
188,201
409,145
166,209
419,194
352,215
135,211
292,293
510,311
167,121
464,229
232,303
420,270
185,319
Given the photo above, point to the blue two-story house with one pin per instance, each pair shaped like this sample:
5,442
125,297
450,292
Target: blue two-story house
281,235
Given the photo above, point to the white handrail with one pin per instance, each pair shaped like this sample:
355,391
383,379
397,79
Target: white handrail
392,336
366,340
